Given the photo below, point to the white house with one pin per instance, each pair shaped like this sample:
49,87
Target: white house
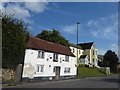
47,60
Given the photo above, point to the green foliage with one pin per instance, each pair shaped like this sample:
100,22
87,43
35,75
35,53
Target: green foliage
111,60
14,39
53,36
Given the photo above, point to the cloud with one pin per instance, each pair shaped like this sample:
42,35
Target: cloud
55,5
23,9
16,10
36,7
114,47
25,0
70,29
101,51
105,27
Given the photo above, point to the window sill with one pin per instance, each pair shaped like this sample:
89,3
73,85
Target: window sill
55,60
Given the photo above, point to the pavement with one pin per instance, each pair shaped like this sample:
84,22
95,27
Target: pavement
110,81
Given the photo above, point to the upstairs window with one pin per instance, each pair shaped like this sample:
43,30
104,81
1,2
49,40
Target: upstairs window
96,52
40,68
93,52
67,58
93,61
67,70
40,54
55,57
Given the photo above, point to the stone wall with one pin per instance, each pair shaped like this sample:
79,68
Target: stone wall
8,74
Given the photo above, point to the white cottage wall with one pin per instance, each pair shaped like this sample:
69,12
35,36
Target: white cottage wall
31,57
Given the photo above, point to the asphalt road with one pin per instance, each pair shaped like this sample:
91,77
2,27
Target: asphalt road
92,82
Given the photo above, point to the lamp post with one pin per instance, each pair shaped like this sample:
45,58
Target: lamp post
77,47
77,41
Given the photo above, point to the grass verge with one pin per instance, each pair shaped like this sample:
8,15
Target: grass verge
89,72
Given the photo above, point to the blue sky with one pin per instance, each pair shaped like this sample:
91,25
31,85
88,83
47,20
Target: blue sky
98,20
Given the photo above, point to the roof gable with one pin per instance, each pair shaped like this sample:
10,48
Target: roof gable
86,45
75,46
36,43
83,56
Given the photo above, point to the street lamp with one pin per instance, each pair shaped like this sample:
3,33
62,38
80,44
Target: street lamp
77,47
77,41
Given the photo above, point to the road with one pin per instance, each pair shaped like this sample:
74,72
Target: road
110,81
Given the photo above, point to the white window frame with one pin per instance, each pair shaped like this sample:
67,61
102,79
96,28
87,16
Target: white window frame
41,54
67,70
66,58
55,57
40,68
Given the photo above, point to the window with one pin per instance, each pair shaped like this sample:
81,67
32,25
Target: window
67,58
79,51
40,54
67,70
96,52
55,57
82,52
93,52
54,69
93,61
40,68
73,50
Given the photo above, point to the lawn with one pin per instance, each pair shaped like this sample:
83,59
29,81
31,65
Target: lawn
88,72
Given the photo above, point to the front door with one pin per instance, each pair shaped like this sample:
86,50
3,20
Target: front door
57,73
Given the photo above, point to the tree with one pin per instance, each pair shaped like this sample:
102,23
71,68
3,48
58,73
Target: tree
53,36
14,39
111,60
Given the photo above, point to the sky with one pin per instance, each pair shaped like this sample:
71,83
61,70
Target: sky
98,20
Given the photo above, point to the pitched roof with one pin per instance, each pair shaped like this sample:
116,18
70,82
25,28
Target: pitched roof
76,46
83,56
86,45
36,43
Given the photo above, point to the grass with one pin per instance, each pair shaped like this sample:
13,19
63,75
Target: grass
11,82
89,72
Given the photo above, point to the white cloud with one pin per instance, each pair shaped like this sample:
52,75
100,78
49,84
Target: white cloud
22,10
105,27
24,1
36,7
70,29
101,51
55,5
17,11
114,47
62,0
